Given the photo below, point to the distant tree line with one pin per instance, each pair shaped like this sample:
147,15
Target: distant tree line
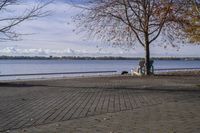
91,58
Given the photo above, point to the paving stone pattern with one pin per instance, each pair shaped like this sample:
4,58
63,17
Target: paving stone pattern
61,104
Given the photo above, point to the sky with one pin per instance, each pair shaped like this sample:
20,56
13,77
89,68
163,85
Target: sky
54,35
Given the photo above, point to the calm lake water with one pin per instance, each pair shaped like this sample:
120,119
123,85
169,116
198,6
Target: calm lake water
59,66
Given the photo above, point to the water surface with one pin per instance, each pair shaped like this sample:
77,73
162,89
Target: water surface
59,66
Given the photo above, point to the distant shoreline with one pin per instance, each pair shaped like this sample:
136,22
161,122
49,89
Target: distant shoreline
91,58
187,73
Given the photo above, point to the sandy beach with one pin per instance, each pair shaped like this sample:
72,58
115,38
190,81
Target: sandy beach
110,104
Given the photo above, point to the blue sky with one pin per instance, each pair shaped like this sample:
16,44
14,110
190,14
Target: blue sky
53,35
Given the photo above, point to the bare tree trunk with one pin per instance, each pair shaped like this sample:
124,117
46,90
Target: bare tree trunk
147,55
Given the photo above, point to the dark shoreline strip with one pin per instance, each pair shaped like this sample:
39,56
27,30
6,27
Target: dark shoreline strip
176,69
12,75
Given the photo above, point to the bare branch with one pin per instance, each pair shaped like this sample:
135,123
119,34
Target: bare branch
11,21
122,21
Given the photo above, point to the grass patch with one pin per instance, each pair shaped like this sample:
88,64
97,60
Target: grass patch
198,86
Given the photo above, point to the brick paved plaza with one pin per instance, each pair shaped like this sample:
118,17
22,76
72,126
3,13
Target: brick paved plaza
28,104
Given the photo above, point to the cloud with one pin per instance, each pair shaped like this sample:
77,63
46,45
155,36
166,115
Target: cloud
41,52
53,35
12,51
